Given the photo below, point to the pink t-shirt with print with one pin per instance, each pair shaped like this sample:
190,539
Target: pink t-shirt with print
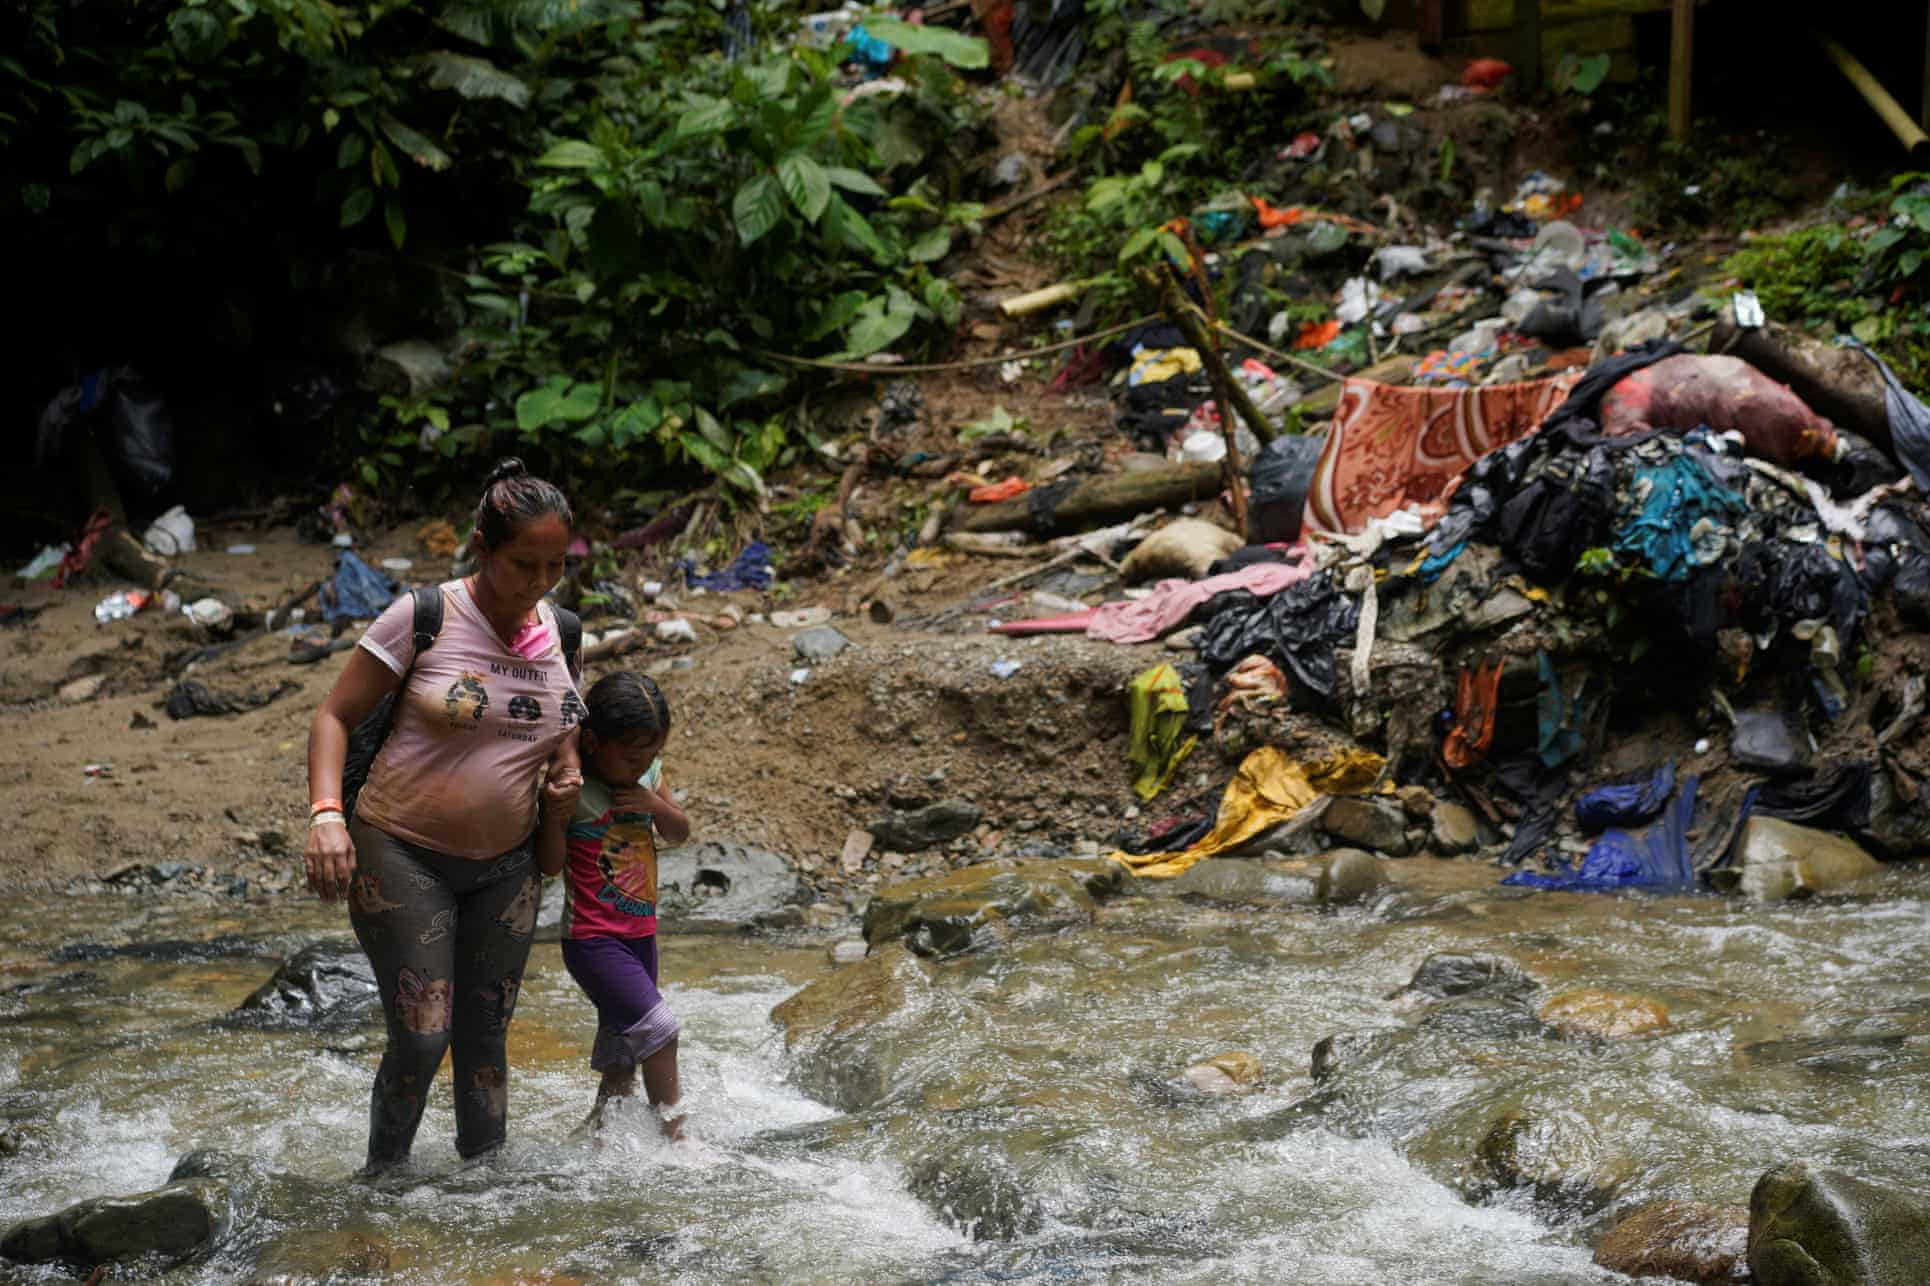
476,721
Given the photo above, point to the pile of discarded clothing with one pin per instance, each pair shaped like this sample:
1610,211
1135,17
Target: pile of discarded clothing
1636,618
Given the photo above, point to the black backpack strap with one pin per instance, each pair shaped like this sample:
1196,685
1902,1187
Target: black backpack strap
569,631
428,616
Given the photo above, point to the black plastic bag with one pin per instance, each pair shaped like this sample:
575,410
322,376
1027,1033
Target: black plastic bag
1281,475
1297,629
136,431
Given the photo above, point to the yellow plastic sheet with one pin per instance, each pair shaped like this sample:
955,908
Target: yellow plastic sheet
1268,789
1158,702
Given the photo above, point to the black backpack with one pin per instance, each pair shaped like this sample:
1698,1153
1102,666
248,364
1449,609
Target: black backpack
366,738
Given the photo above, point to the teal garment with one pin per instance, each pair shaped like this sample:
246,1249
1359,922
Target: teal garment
1561,716
1677,499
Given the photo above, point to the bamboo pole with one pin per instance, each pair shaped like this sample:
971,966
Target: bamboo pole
1915,141
1681,67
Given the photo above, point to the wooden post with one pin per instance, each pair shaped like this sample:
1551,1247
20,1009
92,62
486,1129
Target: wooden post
1681,67
1433,24
1528,35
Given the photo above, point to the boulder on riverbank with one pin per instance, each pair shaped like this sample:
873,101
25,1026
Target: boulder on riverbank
1815,1227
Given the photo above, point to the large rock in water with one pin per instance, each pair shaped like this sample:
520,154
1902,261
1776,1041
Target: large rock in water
154,1228
1343,876
325,983
1811,1227
1682,1241
840,1030
1448,974
1779,859
1558,1156
978,905
1603,1015
721,886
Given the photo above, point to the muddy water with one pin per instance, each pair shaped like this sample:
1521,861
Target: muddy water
1028,1099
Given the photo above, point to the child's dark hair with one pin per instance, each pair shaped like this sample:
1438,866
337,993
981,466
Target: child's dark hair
626,705
511,497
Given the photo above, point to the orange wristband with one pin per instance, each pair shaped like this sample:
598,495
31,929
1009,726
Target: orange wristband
324,805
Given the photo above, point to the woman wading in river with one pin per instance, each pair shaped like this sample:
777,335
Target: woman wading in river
436,855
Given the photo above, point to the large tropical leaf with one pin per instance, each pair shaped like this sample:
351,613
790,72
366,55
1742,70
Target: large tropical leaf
968,52
757,208
806,183
474,77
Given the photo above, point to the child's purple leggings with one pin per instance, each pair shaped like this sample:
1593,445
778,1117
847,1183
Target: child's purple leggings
619,975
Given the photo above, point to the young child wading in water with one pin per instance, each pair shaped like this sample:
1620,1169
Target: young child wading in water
610,902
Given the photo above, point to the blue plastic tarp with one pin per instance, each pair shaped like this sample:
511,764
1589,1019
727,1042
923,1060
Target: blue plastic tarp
358,592
1655,857
750,570
1625,803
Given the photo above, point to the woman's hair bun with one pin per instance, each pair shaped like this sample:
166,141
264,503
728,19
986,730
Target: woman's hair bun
507,467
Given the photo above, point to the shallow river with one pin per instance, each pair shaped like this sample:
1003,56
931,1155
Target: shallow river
1040,1073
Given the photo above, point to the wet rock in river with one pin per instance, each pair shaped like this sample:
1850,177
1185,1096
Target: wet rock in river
1684,1241
974,906
158,1227
1373,823
976,1193
849,951
840,1030
325,983
1344,876
721,886
1558,1156
1452,973
1814,1227
1349,875
1604,1015
1452,829
922,828
1778,859
1226,1073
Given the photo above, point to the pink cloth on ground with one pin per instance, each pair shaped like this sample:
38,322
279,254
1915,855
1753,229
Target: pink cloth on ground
1172,601
475,722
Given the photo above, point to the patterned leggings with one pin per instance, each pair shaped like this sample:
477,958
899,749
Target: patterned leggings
448,938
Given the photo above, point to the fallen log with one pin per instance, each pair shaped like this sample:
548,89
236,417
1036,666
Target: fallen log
1839,384
1097,501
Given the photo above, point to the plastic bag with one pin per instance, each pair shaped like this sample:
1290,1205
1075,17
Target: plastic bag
1726,394
1281,475
139,441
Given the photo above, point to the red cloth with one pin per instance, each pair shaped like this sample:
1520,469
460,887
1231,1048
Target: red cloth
1391,447
98,525
999,491
1486,73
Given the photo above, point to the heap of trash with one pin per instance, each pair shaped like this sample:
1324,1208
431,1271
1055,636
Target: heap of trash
1651,618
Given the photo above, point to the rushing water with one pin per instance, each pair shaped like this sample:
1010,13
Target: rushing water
1040,1071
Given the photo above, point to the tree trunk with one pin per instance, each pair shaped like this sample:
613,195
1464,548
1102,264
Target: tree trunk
1098,501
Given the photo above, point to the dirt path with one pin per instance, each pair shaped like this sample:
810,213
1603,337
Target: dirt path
911,713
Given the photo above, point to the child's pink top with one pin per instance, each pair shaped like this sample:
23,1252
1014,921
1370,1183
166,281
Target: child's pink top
477,720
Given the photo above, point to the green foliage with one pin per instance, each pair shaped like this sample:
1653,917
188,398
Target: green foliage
626,218
1870,282
1169,148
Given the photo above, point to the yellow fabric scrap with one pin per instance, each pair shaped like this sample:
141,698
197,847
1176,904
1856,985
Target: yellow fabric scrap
1157,699
1157,365
932,556
1268,789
